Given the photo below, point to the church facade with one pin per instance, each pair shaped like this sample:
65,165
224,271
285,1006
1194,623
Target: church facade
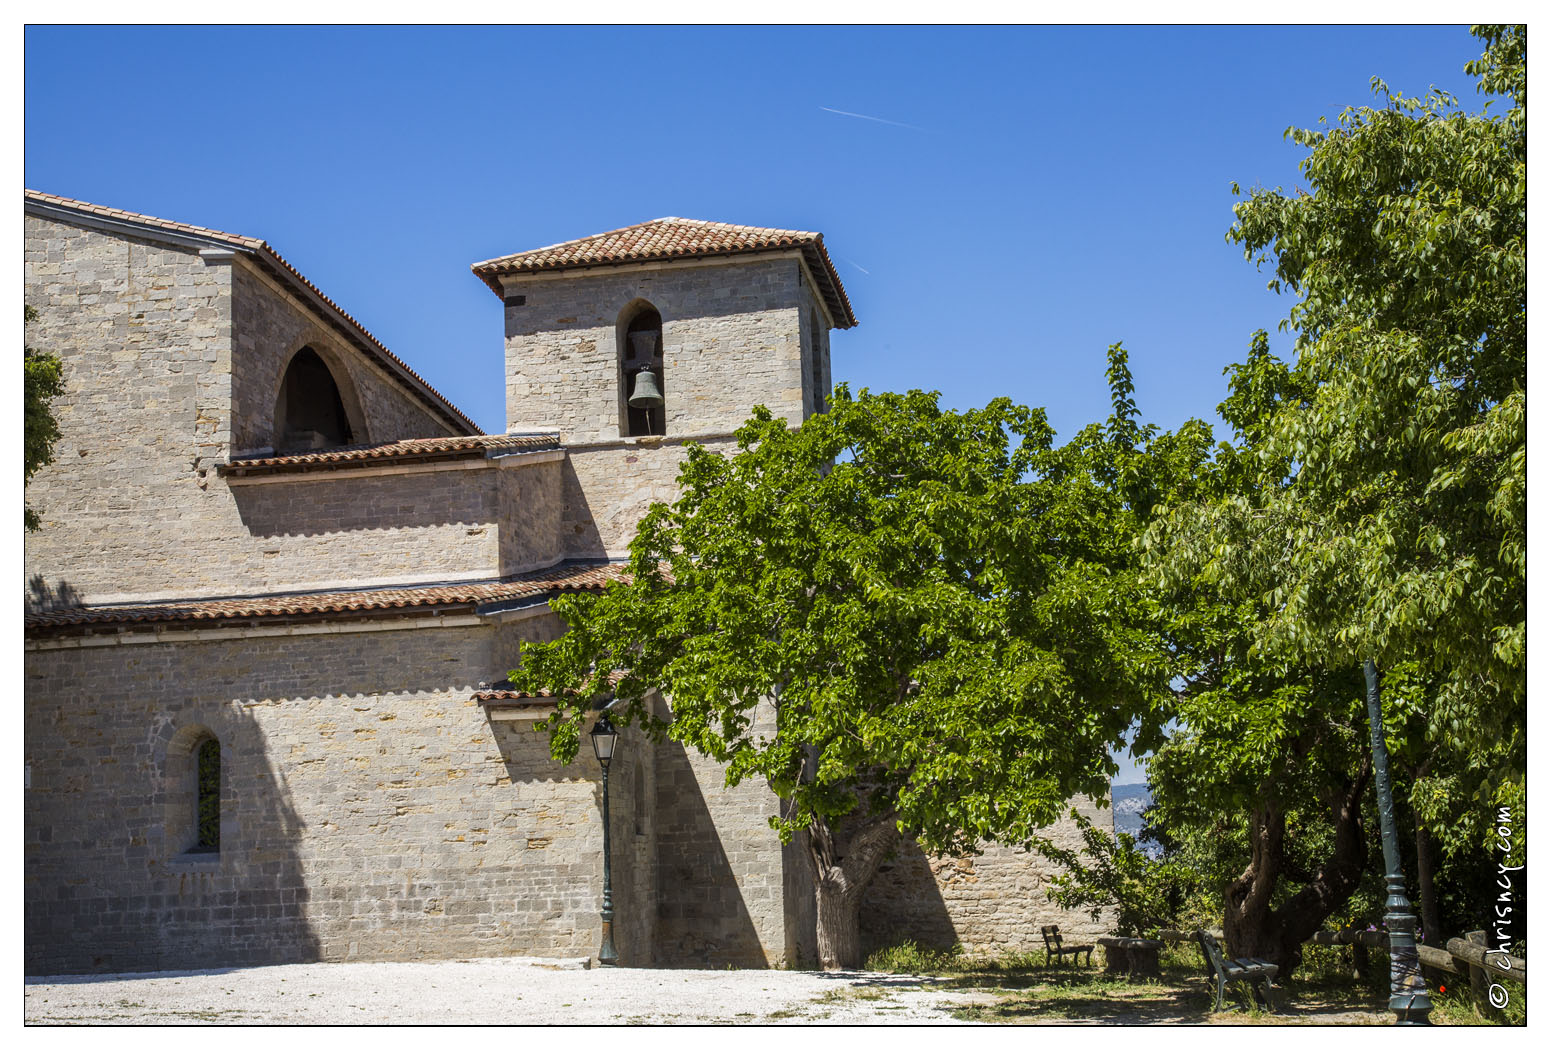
280,579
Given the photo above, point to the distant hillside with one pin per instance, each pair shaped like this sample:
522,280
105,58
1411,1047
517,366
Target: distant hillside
1129,801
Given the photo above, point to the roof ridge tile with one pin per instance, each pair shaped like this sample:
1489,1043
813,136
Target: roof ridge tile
674,237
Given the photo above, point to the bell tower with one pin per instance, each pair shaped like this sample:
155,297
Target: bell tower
671,329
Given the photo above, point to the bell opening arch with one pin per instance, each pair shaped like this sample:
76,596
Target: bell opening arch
638,335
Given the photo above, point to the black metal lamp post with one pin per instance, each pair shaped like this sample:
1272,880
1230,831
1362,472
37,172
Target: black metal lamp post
1407,989
604,737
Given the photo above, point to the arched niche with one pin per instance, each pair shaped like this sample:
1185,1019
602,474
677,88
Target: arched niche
638,336
316,407
816,362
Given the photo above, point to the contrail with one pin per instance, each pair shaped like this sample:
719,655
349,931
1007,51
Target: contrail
863,116
859,266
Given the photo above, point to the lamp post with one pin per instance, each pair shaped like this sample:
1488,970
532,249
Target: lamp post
603,737
1407,989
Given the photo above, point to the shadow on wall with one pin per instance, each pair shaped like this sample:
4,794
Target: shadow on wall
41,598
313,507
112,883
903,902
702,920
578,526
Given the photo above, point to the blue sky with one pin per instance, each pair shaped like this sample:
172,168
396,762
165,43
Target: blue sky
1024,198
1055,189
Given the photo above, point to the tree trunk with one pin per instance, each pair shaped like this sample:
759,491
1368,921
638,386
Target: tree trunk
1247,925
1250,926
1426,866
839,926
841,872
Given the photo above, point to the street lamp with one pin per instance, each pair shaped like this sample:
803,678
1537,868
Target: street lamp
603,737
1407,989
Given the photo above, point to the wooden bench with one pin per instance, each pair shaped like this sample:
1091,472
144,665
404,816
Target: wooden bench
1054,948
1244,969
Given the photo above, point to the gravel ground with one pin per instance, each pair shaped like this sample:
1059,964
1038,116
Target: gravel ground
490,992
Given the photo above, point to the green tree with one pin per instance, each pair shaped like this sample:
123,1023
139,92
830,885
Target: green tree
1270,746
904,619
1373,504
1111,871
43,381
1405,432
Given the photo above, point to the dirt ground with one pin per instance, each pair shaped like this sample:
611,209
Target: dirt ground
524,992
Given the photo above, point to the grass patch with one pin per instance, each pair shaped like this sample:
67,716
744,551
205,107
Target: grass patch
1458,1007
1023,988
852,992
908,957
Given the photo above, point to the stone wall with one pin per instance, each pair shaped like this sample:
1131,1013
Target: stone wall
722,874
529,509
144,334
992,903
817,377
608,487
341,529
452,523
731,340
370,810
132,507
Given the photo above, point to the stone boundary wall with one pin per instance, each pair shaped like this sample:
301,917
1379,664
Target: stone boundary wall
991,904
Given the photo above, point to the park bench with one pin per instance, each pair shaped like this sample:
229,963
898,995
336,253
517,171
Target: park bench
1244,969
1054,948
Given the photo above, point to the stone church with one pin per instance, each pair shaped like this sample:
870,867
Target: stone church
280,579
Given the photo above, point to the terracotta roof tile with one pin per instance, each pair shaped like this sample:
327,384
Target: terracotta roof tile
674,238
487,446
195,613
514,699
417,385
506,697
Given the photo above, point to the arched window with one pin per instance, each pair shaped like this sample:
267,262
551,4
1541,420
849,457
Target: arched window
207,793
193,792
309,413
640,371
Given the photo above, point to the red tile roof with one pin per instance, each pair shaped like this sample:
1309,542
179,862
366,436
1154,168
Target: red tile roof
442,598
471,447
674,238
277,265
505,697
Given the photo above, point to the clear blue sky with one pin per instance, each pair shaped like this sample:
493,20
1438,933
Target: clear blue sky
1055,189
1023,198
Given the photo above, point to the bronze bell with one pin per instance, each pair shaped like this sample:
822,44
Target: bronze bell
645,394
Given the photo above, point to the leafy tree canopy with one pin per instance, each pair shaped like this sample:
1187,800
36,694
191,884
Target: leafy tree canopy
939,606
1374,504
43,381
904,619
